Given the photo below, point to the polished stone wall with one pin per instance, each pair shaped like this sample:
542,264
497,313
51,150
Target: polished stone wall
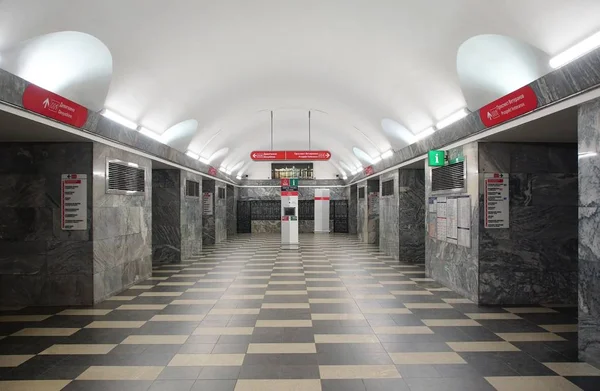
40,264
455,266
389,217
352,209
166,216
220,213
373,213
122,228
270,189
362,215
411,215
589,236
208,221
232,196
191,218
534,260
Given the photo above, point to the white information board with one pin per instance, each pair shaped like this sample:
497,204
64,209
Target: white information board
464,221
207,203
73,202
452,219
452,222
496,200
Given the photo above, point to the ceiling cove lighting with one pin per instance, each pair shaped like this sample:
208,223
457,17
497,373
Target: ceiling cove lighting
576,51
204,160
119,119
344,176
424,134
583,155
388,154
452,118
148,133
375,160
193,155
238,177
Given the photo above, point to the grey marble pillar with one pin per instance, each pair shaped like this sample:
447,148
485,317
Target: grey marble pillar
589,232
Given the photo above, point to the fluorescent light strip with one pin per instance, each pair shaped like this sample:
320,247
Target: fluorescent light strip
583,155
375,160
452,118
388,154
576,51
119,119
424,134
151,134
193,155
204,160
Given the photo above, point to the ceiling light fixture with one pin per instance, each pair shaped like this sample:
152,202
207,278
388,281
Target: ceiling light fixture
425,133
119,119
375,160
344,176
388,154
582,155
148,133
238,177
204,160
193,155
452,118
576,51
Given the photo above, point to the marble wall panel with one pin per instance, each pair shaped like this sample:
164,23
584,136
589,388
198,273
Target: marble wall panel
589,235
166,216
120,222
209,221
191,218
534,260
362,215
352,192
389,217
36,255
411,220
266,226
456,266
373,211
231,211
220,214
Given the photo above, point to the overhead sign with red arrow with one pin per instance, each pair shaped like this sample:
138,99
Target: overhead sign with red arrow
510,106
54,106
290,155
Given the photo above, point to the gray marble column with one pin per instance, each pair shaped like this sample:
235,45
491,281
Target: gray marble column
589,231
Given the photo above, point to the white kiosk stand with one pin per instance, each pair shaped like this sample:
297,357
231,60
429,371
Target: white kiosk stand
289,214
321,210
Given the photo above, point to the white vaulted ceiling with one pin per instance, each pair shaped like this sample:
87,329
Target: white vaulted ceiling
353,63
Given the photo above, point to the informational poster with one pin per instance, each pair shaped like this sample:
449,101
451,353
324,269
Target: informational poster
207,203
464,221
432,205
374,204
496,200
452,219
452,222
73,202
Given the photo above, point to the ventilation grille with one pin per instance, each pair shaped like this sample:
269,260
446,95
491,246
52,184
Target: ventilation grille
449,178
361,192
221,193
192,189
125,178
387,188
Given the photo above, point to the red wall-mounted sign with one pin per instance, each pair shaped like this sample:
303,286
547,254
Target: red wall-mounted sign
54,106
509,106
307,155
369,170
212,171
290,155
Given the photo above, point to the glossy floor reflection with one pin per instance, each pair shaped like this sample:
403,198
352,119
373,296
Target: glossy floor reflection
336,315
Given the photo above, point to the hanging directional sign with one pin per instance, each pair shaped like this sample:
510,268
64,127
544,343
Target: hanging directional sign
509,106
54,106
290,155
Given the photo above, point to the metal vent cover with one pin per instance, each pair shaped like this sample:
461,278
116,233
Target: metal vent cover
192,189
361,193
125,178
387,188
449,179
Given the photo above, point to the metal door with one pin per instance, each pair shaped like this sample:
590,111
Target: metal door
338,212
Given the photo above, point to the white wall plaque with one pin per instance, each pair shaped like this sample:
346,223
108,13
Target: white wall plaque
496,200
73,202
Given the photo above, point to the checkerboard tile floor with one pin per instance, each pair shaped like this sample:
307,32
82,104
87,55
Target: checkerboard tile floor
336,315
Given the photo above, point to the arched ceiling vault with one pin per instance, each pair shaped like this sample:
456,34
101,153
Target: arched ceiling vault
357,62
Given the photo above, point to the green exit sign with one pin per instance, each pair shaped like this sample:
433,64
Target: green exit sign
437,158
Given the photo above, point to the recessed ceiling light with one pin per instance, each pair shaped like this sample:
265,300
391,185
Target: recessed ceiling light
452,118
576,51
119,119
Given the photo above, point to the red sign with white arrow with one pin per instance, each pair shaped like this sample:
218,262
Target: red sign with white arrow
509,106
268,155
289,155
54,106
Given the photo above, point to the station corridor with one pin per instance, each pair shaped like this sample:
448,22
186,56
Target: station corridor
335,315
